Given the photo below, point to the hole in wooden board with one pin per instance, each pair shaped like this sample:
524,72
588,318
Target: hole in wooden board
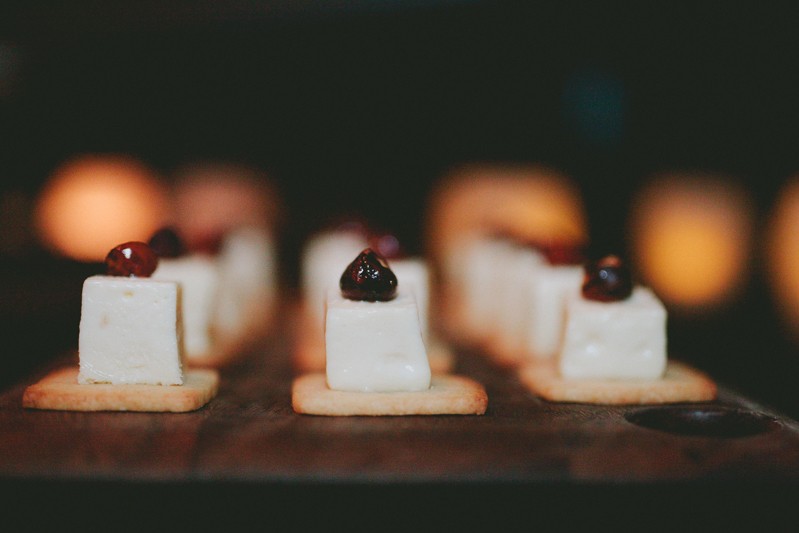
704,421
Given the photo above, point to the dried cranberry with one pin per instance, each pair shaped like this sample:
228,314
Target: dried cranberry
132,259
209,242
563,253
368,278
559,252
167,243
607,280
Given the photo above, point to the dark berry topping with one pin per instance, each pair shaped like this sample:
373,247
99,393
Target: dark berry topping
167,243
209,243
132,259
368,278
561,252
387,245
607,280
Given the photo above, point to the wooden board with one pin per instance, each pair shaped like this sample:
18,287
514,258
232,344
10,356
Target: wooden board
248,449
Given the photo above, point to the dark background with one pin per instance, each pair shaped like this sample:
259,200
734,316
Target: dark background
363,105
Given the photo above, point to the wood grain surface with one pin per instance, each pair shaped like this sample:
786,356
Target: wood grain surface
248,440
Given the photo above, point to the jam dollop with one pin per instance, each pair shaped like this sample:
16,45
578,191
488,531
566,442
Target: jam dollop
607,279
369,278
167,243
131,259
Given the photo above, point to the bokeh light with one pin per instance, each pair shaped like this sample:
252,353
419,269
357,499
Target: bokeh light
94,202
212,198
781,250
691,239
527,202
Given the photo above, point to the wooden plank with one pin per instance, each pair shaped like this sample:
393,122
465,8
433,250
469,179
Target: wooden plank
250,432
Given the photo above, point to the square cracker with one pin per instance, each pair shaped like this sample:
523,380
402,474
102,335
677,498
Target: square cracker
680,383
447,395
61,391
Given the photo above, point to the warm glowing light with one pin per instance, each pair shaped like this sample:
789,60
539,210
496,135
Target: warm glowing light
527,202
691,239
782,252
93,203
212,198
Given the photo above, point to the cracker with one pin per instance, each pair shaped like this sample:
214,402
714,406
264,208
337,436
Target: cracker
681,383
308,355
447,395
61,391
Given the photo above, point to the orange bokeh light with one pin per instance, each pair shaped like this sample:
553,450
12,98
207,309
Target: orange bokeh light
782,252
528,202
212,198
92,203
691,239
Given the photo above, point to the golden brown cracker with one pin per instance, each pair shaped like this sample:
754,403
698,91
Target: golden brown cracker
61,391
447,395
680,383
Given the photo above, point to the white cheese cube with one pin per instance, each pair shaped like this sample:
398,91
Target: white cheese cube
324,259
520,270
247,279
130,332
198,276
615,340
486,285
414,274
375,346
548,289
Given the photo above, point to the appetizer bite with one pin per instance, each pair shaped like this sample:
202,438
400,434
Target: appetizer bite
130,345
376,359
614,349
227,289
322,258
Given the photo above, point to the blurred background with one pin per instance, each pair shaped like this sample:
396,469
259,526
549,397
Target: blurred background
677,122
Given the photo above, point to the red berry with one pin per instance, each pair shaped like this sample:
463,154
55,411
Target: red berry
209,243
132,259
607,280
559,252
368,278
167,243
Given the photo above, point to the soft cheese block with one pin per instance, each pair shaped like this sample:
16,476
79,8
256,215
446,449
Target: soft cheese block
485,285
130,332
375,346
521,267
413,273
198,276
615,340
548,289
322,261
247,279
